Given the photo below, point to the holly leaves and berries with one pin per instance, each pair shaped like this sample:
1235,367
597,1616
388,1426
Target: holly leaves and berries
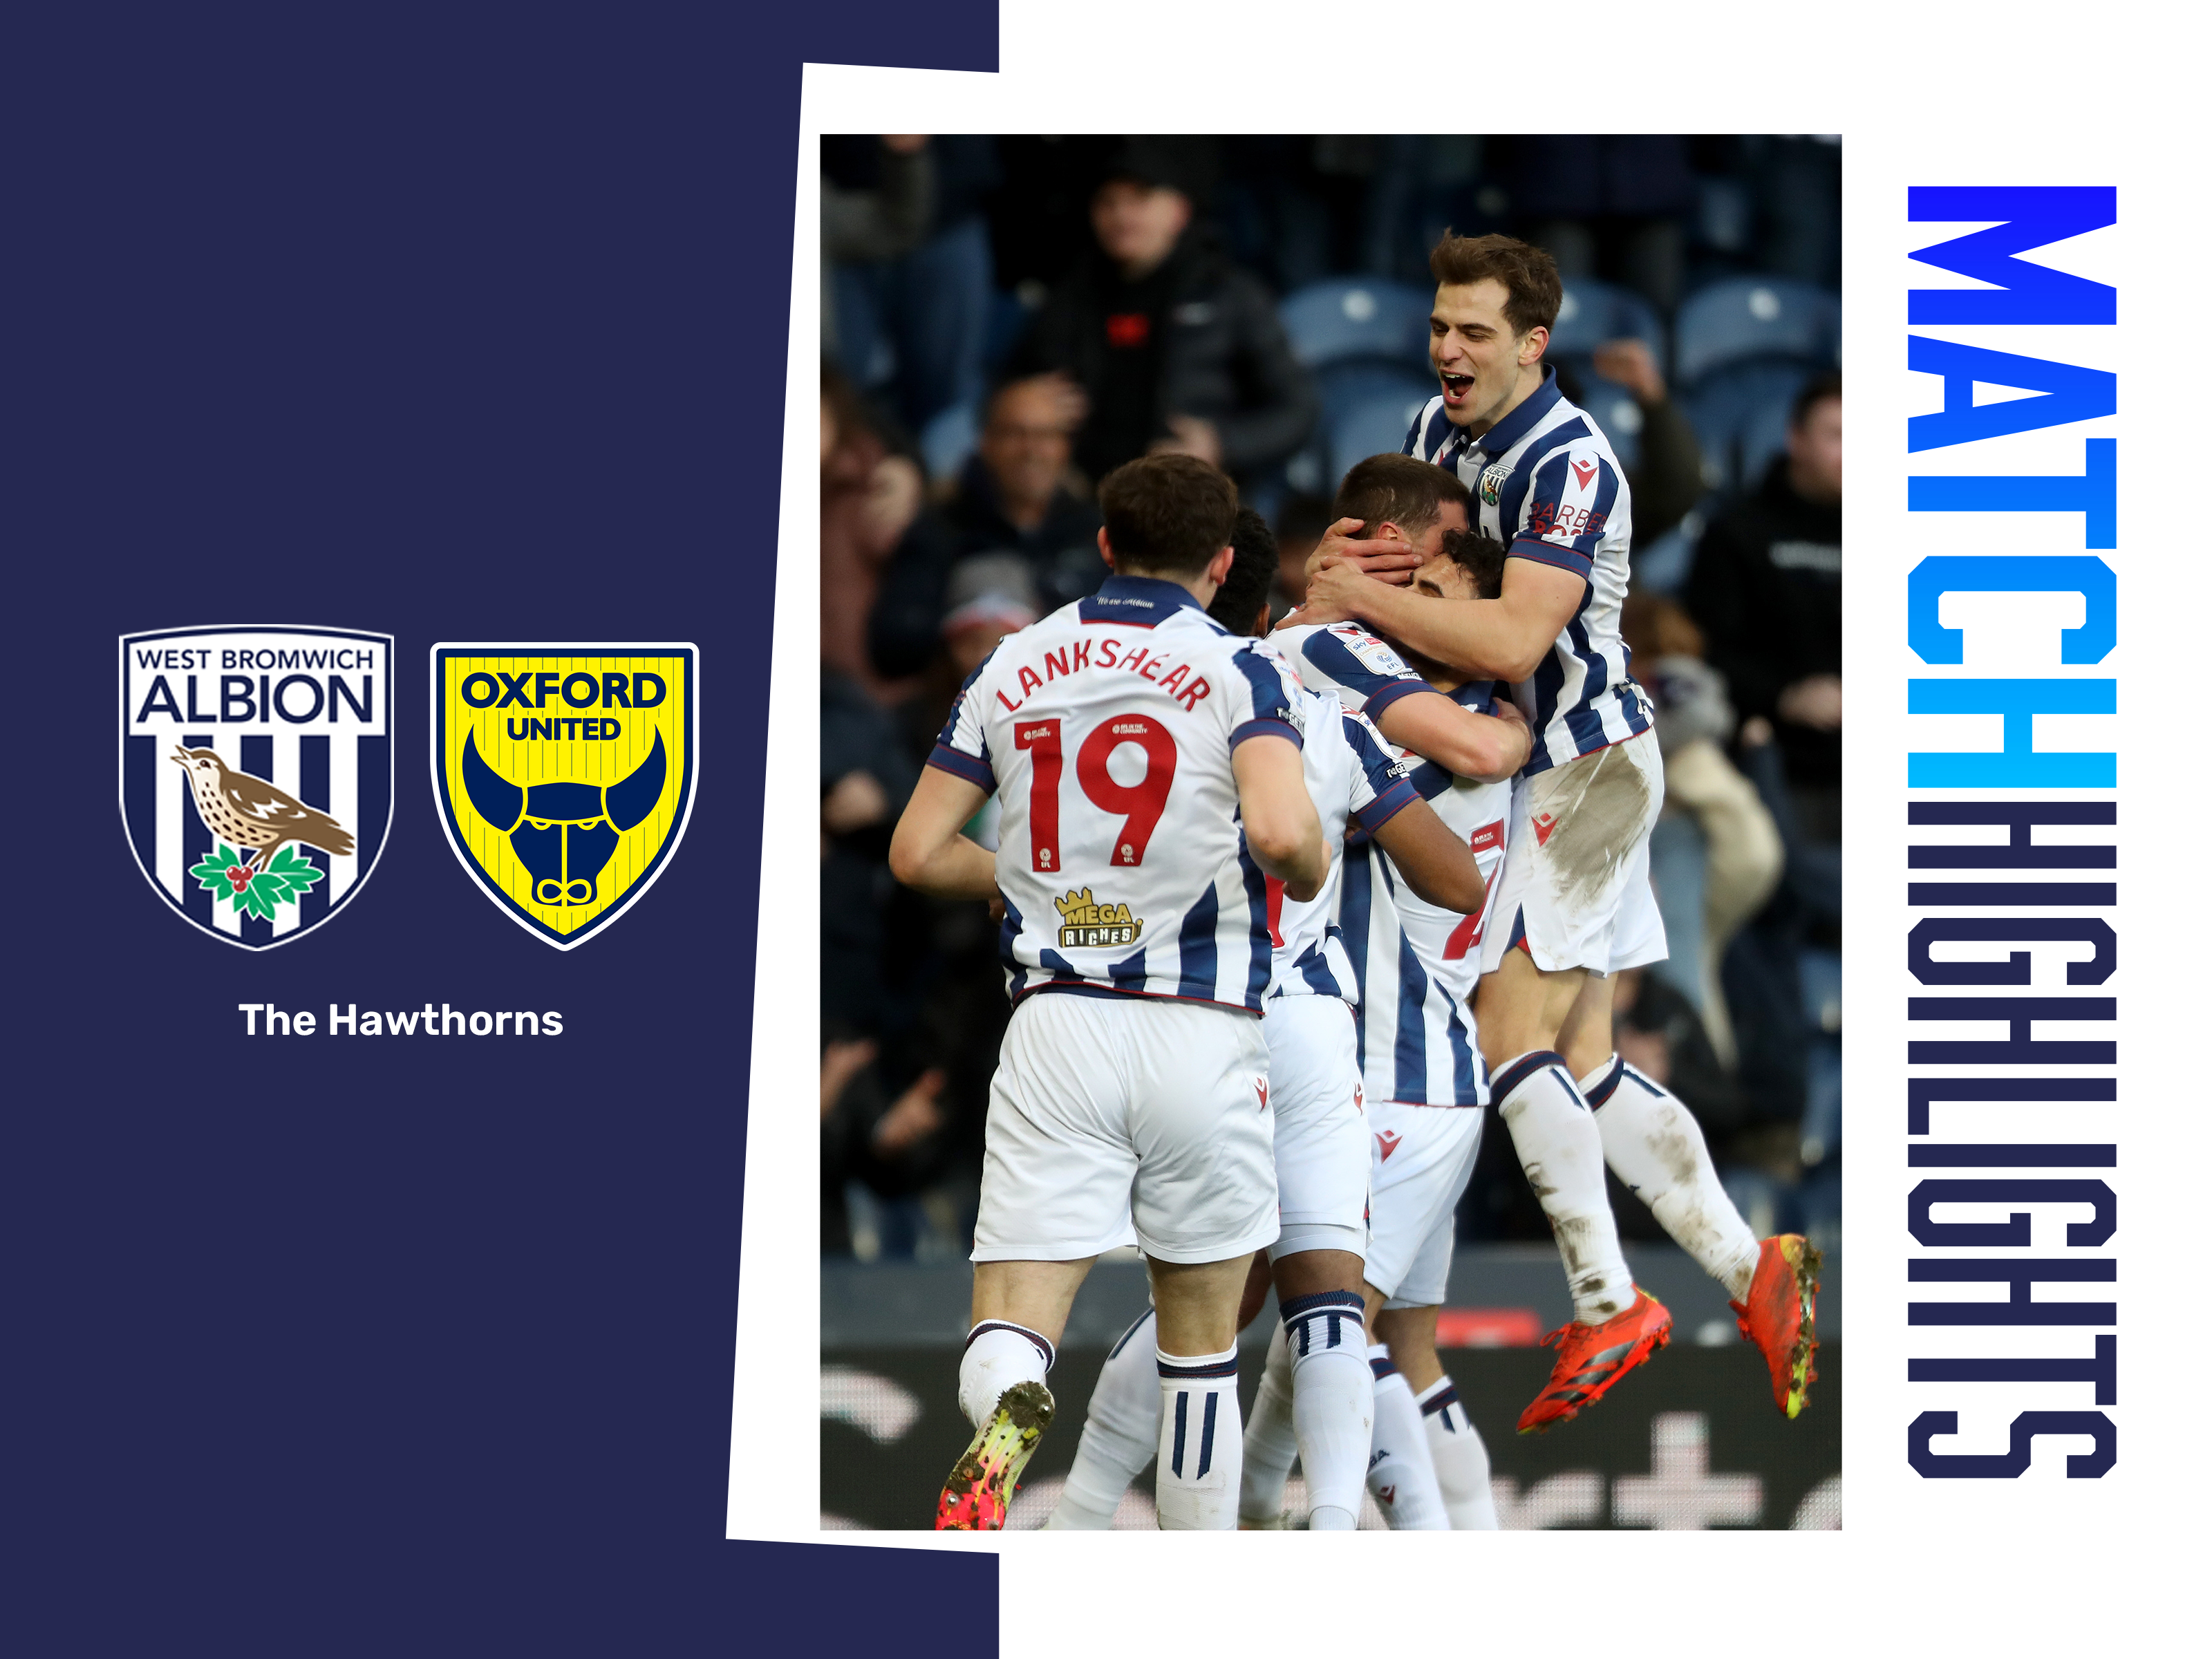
257,891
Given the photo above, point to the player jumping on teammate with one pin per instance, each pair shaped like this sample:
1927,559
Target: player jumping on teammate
1574,906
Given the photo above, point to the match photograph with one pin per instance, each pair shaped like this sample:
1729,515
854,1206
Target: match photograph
1331,850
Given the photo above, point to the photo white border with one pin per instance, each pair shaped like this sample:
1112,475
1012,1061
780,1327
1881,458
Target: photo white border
2033,94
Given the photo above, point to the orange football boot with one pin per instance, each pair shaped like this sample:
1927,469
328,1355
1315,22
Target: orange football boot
982,1483
1777,1315
1593,1357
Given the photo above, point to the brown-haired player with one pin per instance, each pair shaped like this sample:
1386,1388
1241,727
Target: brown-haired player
1148,770
1574,903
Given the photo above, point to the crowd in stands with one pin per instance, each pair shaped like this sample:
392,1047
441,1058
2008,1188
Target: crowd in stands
1005,320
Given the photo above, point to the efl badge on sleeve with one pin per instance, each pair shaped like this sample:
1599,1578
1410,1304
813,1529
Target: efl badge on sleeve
564,773
256,774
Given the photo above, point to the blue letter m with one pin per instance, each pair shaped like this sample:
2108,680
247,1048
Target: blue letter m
2029,216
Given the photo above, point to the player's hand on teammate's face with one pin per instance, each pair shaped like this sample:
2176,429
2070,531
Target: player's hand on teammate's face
1387,561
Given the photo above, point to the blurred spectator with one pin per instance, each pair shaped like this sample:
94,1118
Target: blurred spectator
907,265
1041,211
1716,854
1014,498
880,220
870,495
986,597
1669,474
1160,341
867,776
1299,526
1767,588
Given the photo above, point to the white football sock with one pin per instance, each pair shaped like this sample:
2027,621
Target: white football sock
1202,1442
1331,1401
1556,1141
1270,1444
998,1356
1120,1434
1400,1472
1653,1144
1462,1462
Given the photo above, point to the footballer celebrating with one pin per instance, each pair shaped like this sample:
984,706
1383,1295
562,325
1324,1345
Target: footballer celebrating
1148,770
1320,1357
1417,965
1574,904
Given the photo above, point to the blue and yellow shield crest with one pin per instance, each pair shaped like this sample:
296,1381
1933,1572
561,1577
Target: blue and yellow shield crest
564,773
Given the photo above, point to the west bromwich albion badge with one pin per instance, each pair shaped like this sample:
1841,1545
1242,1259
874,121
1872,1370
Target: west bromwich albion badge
564,773
1493,483
255,773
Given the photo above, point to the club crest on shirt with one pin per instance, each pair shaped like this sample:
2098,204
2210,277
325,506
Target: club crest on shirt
1493,481
1085,921
564,773
256,773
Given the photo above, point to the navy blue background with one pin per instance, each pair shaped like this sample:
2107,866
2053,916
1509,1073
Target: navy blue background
463,325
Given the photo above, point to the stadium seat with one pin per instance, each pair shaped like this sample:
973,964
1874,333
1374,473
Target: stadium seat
1752,317
1591,313
1345,318
1741,415
1618,415
1372,423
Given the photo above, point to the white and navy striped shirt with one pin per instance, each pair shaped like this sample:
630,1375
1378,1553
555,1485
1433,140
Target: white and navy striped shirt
1546,484
1355,778
1105,731
1415,964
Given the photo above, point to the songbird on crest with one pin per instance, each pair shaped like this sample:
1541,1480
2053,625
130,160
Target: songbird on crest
253,814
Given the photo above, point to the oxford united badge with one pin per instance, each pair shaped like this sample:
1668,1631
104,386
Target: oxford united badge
564,773
256,773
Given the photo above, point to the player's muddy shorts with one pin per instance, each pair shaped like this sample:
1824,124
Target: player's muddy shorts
1104,1109
1422,1158
1314,1095
1577,886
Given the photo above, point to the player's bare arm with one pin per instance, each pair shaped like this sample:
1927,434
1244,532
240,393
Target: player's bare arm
928,852
1505,638
1488,748
1280,826
1437,864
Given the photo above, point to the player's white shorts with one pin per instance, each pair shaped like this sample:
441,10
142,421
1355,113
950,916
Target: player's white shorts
1576,886
1422,1158
1106,1110
1315,1094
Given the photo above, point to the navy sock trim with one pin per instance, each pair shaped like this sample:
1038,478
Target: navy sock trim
1503,1085
1319,1299
1043,1346
1326,1312
1382,1367
1600,1091
1447,1395
1200,1373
